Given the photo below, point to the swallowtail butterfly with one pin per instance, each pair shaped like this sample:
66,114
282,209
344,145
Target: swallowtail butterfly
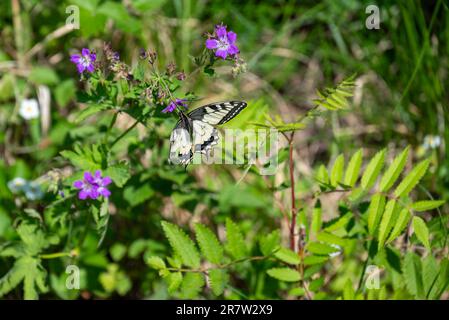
196,132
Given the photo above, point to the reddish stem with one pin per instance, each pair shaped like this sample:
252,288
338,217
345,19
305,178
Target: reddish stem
292,186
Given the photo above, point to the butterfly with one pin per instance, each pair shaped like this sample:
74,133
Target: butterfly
196,132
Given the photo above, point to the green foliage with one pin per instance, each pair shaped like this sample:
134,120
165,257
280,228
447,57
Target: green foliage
336,98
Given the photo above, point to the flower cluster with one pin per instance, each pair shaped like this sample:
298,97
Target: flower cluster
93,186
31,189
84,61
174,104
223,42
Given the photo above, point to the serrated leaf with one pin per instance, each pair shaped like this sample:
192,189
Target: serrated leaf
393,171
287,256
209,245
412,179
174,280
372,170
119,173
284,274
412,271
322,175
321,248
421,231
182,245
388,219
192,283
430,276
331,238
337,171
155,262
235,242
402,222
427,205
89,111
218,280
339,223
353,170
316,223
269,243
375,211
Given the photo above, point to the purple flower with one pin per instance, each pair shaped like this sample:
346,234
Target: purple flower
93,186
85,61
223,42
174,104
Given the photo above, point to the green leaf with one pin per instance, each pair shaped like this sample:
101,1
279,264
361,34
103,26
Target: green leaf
321,248
375,210
90,110
430,276
209,244
316,224
174,280
218,280
117,251
119,173
191,285
284,274
339,223
412,179
331,239
393,172
372,170
64,92
235,242
337,171
311,260
322,175
43,75
388,219
353,170
427,205
421,231
182,245
287,256
402,222
270,242
412,271
155,262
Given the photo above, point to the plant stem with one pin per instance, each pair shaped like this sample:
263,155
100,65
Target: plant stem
55,255
124,133
293,198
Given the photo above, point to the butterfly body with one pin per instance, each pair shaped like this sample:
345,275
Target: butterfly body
196,132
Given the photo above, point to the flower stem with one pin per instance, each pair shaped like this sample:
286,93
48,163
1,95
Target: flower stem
292,188
124,133
55,255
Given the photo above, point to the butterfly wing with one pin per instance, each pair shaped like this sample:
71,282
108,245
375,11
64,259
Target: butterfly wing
217,113
204,136
181,144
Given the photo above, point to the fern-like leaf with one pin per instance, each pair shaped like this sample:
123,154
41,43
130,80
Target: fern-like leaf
209,244
372,170
336,98
235,242
393,171
412,179
182,245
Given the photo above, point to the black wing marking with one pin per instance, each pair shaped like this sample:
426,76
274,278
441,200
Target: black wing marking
204,136
181,143
217,113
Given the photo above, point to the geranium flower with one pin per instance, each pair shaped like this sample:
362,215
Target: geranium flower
17,184
93,186
174,104
85,61
223,42
29,109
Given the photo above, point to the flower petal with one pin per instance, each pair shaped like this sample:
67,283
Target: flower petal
104,192
78,184
211,44
90,68
93,57
88,177
232,36
94,194
97,174
75,58
83,194
220,31
106,181
80,67
233,49
221,53
85,52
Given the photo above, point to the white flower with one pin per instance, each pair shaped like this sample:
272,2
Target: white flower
29,109
17,184
33,191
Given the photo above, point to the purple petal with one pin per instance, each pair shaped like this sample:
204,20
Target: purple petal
211,44
75,58
94,194
85,52
232,36
220,30
170,108
83,194
80,68
221,53
106,181
104,192
93,57
97,174
78,184
233,49
88,177
90,68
